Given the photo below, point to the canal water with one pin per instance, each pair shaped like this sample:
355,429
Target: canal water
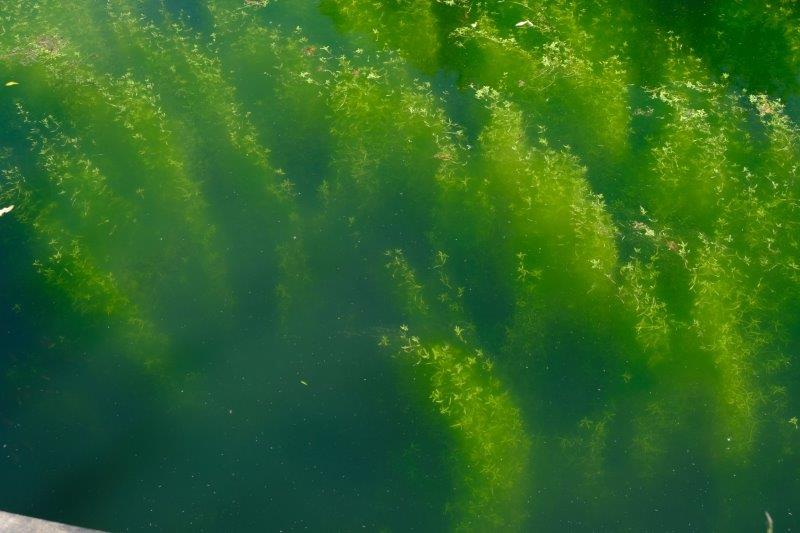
400,265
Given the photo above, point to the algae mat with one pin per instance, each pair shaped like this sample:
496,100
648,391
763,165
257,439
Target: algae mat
400,265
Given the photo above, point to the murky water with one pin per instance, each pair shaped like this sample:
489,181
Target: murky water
417,265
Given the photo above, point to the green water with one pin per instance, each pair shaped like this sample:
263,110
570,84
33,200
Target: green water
400,265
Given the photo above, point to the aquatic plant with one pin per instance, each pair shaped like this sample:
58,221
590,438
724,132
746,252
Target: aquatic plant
567,232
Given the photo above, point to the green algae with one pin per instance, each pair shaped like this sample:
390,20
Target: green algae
587,317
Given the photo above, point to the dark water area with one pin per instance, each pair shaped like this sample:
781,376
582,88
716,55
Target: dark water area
412,265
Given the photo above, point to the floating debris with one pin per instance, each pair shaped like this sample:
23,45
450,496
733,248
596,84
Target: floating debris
11,83
303,382
524,24
6,210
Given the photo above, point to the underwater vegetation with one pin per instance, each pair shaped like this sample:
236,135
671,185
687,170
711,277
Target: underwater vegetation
429,265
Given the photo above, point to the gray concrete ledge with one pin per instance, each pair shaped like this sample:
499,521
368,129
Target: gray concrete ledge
14,523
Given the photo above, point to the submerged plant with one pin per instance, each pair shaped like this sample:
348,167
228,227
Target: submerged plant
587,315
